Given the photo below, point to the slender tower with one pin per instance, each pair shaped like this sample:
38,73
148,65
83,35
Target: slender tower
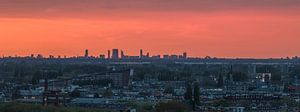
141,53
122,54
108,54
86,55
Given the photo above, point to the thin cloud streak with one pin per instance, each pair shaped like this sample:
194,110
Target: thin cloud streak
53,8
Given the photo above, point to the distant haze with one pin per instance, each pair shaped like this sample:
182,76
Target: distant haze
221,28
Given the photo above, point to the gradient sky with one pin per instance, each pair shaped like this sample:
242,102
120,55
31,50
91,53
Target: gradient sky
221,28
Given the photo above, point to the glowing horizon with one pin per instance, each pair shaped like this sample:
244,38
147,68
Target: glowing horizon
217,28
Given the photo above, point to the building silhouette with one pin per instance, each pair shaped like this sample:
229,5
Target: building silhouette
185,55
122,54
115,54
108,54
141,53
86,55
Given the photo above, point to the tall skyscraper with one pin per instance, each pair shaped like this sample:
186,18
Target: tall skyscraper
115,54
86,55
122,54
108,54
141,53
185,55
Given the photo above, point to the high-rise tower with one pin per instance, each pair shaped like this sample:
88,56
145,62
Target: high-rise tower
86,55
122,54
185,55
141,53
115,54
108,54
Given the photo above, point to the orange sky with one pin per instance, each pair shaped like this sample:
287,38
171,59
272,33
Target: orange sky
235,29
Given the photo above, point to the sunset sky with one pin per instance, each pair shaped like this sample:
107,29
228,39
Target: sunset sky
221,28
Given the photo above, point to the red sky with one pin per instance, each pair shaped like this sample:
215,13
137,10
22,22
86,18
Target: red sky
221,28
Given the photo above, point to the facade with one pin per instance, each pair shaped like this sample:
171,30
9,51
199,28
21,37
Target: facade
185,55
56,98
122,54
141,53
115,54
108,54
119,78
264,77
86,55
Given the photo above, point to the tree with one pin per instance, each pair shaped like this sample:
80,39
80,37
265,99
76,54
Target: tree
96,95
221,103
60,72
172,107
239,76
19,107
169,90
276,77
107,93
16,72
196,94
189,92
75,94
286,88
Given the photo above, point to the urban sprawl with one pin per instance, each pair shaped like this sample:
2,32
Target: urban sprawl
117,82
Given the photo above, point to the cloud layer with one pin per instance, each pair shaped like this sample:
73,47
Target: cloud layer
29,8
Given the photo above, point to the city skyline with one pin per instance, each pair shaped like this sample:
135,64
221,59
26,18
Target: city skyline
116,53
234,28
150,55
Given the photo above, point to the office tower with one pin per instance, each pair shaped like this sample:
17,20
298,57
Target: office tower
122,54
148,55
108,54
185,55
141,53
86,55
115,54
